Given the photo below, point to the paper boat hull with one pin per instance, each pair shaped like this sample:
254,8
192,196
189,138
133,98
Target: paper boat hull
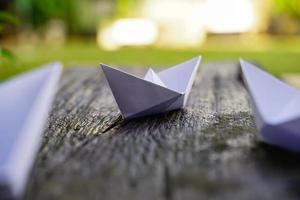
172,104
281,136
285,135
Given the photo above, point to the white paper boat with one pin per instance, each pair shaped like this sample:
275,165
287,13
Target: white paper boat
155,93
24,104
276,107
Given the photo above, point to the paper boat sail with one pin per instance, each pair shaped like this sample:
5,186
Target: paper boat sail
156,92
276,107
24,104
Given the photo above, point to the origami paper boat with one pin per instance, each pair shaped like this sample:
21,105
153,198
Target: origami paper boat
276,107
24,104
156,92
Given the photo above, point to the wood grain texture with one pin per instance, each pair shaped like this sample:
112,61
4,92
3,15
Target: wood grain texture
206,151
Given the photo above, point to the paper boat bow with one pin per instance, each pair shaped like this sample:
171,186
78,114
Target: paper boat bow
156,93
276,107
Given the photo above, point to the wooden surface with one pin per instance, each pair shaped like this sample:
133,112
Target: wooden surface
207,151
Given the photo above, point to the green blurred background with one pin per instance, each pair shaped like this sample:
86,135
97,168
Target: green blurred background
145,33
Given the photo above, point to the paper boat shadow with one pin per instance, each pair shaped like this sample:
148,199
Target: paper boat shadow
155,93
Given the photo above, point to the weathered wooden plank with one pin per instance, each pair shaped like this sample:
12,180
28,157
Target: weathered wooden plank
206,151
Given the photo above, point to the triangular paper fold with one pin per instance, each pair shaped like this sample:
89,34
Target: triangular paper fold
156,93
154,78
